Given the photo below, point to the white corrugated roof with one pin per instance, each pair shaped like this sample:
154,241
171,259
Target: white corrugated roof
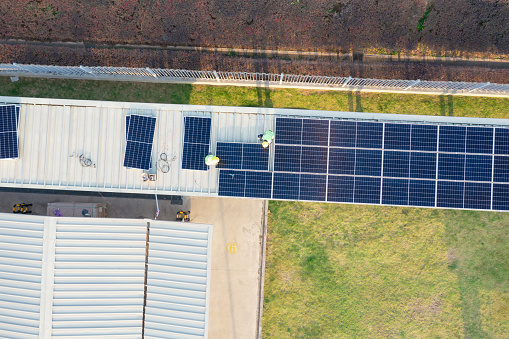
55,132
85,277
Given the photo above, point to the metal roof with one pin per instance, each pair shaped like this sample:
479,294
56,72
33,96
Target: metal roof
54,133
86,278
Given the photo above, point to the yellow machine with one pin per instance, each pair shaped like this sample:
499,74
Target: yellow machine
183,216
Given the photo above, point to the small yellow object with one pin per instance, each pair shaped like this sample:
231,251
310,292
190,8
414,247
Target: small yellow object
265,144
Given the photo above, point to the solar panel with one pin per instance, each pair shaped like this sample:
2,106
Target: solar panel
314,159
477,195
366,190
502,141
342,161
501,197
368,162
340,188
452,139
451,166
396,164
395,191
286,186
312,187
450,194
9,117
421,193
423,138
258,185
479,140
288,131
369,135
230,155
478,167
397,136
232,183
423,165
196,142
287,158
255,157
315,132
343,133
501,169
139,139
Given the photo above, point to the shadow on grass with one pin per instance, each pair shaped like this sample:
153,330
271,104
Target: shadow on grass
446,108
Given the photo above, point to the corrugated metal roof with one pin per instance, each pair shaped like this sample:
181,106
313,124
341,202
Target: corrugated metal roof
85,277
55,132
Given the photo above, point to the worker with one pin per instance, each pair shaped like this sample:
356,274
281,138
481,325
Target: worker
211,160
267,138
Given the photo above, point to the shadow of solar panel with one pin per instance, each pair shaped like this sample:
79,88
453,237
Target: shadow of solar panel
501,169
141,128
340,188
312,187
314,159
368,162
451,166
315,132
501,197
395,191
367,190
197,130
369,134
423,138
138,155
452,139
9,145
342,161
343,133
231,183
229,154
396,164
423,165
479,140
397,136
255,157
450,194
288,131
421,193
502,141
477,195
193,156
258,185
286,186
478,167
287,158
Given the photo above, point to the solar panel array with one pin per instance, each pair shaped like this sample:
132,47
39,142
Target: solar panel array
421,165
196,142
139,139
9,120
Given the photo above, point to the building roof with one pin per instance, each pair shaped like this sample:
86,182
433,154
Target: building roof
86,278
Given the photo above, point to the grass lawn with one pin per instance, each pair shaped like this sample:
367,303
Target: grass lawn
345,271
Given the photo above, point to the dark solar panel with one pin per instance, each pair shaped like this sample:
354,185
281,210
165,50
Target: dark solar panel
255,157
9,145
315,132
423,138
288,131
368,162
397,136
369,135
501,140
139,138
194,156
286,186
196,143
287,158
450,194
478,167
229,154
501,169
423,165
314,159
138,155
395,191
312,187
9,118
451,166
258,185
141,129
343,133
477,195
367,190
342,161
421,193
231,183
452,139
340,188
479,140
396,164
501,197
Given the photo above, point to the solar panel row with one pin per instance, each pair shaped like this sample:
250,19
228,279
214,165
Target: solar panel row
9,119
234,155
139,139
196,142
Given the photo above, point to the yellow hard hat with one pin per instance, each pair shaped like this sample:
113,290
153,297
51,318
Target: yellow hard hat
265,144
215,160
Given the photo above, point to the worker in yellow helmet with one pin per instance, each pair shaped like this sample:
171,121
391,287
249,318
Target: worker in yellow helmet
266,138
211,160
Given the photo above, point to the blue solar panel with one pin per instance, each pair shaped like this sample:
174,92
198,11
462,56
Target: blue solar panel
342,161
194,156
502,141
501,169
288,131
314,159
478,167
397,136
196,142
138,155
229,154
369,134
500,197
368,162
452,139
367,190
197,130
231,183
479,140
254,157
424,138
340,188
312,187
315,132
286,186
9,117
287,158
423,165
421,193
477,195
450,194
396,164
141,129
343,133
258,185
395,191
451,166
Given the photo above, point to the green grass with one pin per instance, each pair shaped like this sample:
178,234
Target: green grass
346,271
